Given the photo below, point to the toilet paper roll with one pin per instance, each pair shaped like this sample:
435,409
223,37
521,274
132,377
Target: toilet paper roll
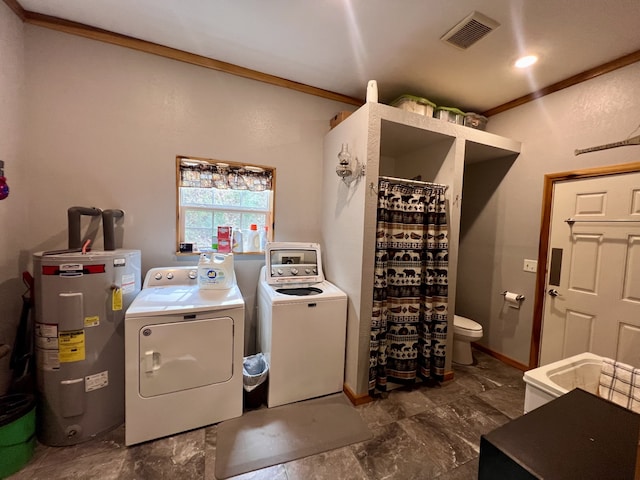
512,299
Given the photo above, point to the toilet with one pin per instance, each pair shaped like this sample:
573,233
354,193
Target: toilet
465,331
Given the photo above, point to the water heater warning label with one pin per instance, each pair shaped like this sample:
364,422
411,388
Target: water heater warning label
46,336
128,283
72,346
94,382
116,299
47,359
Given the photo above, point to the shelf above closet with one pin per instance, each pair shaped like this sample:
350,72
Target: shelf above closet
398,139
403,132
481,152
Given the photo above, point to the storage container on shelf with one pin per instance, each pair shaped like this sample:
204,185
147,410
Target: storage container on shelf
475,120
450,114
414,104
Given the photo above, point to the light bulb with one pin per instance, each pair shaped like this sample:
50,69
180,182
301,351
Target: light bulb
344,156
527,61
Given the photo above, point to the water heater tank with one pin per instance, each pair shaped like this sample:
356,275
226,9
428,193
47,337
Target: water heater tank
80,303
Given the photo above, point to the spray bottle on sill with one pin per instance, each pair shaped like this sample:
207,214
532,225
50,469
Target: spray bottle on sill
237,241
264,234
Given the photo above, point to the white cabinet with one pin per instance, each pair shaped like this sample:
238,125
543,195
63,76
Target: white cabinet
396,143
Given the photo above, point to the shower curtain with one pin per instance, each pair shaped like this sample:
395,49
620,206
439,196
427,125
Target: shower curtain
409,317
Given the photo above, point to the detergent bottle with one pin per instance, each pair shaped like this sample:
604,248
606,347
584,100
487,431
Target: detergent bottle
252,239
216,271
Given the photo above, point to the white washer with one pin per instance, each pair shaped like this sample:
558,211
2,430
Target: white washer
302,320
183,355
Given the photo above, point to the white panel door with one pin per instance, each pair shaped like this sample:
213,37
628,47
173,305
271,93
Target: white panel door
593,272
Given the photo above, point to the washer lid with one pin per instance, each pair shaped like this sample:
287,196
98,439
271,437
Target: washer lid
290,263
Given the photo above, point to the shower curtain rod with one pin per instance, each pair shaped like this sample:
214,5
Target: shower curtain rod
413,182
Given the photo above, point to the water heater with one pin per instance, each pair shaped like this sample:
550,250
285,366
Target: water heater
80,302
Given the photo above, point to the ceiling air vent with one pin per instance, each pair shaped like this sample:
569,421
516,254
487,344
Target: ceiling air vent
470,30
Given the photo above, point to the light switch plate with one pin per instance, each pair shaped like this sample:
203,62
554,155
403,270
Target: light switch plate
530,265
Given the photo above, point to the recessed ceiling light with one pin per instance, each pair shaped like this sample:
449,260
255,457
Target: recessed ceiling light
527,61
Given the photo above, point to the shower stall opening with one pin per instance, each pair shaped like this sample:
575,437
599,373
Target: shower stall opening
410,291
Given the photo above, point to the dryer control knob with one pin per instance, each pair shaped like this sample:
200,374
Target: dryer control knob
294,271
158,276
307,271
193,274
280,272
169,276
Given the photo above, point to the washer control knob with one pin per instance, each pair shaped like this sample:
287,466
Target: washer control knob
158,276
169,276
294,271
193,274
307,271
280,272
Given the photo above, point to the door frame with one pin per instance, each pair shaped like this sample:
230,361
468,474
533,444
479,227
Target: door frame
543,247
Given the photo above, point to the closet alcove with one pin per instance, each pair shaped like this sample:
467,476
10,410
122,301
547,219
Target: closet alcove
389,142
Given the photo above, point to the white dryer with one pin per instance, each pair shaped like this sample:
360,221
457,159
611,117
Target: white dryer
183,355
302,320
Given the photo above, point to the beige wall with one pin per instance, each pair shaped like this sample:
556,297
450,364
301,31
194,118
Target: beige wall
104,125
502,201
13,210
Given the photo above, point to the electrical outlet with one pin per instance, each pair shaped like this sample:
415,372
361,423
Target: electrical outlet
530,265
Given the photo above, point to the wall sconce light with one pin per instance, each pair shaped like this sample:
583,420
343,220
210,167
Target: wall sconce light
346,169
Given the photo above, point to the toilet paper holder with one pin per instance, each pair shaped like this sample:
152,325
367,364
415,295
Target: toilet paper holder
519,297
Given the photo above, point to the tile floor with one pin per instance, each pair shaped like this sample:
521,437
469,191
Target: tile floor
419,433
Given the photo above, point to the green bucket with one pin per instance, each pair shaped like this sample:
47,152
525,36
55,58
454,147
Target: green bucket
17,432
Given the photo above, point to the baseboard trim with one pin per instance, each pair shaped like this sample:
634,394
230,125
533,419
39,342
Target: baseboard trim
501,357
354,398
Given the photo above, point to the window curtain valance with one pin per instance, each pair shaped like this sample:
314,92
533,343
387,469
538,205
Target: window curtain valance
202,174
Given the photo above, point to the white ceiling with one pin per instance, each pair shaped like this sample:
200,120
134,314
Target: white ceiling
338,45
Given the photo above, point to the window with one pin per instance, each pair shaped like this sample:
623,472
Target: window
212,194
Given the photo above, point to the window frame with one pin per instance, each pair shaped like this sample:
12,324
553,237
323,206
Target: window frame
180,209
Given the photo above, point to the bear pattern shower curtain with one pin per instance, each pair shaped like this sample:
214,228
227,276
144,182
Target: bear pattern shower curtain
409,316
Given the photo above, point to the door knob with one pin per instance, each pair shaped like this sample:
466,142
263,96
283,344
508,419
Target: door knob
554,293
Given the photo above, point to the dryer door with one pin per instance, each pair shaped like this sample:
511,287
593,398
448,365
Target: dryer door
183,355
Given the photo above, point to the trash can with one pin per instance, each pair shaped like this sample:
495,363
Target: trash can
17,432
255,377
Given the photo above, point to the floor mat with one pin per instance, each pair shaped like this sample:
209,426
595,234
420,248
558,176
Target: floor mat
271,436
